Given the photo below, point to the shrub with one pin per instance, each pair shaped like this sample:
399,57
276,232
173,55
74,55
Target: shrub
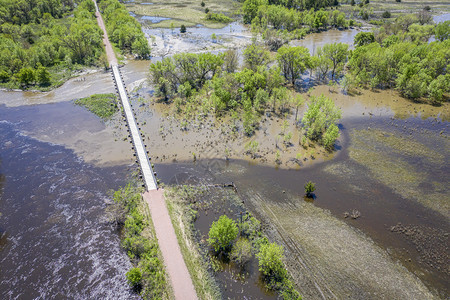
310,187
183,29
271,264
221,18
203,4
222,234
241,252
134,277
386,14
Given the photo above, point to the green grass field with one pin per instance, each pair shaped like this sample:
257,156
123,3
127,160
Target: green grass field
189,13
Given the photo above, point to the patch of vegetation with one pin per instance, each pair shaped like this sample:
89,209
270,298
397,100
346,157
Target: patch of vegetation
320,120
221,18
102,105
123,29
398,55
223,237
130,212
42,42
310,187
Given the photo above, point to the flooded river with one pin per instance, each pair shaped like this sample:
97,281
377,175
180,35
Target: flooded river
58,161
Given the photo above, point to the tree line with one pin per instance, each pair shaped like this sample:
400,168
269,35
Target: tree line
123,29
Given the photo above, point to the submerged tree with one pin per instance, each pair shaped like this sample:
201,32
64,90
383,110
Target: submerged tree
310,187
222,234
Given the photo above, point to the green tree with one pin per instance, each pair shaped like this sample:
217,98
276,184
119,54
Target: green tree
337,54
310,187
141,48
250,8
255,56
293,61
222,233
330,136
43,75
320,115
270,260
182,29
363,38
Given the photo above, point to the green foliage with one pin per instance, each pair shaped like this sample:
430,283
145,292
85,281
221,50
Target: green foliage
173,71
43,76
183,29
310,187
123,29
442,31
102,105
336,53
250,8
38,34
148,276
363,38
386,14
319,117
293,61
330,136
270,260
222,233
241,252
134,277
220,18
26,76
255,56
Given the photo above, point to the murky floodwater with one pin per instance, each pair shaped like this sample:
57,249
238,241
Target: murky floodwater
343,185
55,242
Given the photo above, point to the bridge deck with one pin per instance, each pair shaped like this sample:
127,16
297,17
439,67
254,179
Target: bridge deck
146,167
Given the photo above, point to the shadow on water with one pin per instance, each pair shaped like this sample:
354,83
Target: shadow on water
348,186
57,243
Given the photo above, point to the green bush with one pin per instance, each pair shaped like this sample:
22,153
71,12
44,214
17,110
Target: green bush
220,18
183,29
134,277
310,187
222,233
270,260
241,252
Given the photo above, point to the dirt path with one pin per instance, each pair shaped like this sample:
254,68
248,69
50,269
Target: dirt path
173,259
109,50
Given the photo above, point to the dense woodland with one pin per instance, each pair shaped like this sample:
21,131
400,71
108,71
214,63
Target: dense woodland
40,36
42,41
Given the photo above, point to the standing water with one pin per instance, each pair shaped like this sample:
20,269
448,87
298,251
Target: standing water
54,239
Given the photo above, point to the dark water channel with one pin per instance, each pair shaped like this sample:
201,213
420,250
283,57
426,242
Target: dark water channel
55,242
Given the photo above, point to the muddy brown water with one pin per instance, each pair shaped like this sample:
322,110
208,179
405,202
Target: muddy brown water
52,198
54,240
380,207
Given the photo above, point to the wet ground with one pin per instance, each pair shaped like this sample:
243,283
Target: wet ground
51,153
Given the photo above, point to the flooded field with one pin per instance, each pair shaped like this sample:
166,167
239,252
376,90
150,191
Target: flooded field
57,162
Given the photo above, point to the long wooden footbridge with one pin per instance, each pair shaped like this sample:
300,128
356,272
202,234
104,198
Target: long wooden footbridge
180,278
